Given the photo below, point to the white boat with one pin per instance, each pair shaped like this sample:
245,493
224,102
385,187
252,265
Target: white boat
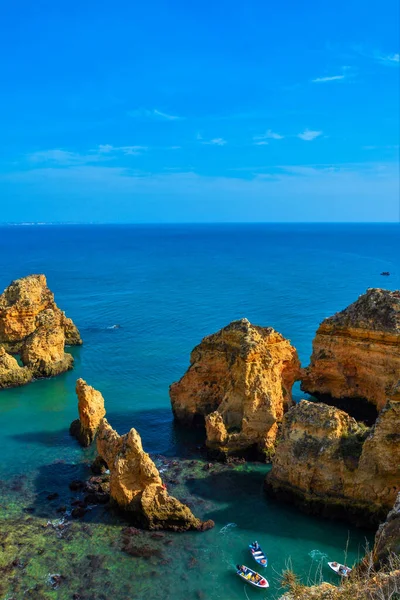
341,570
251,577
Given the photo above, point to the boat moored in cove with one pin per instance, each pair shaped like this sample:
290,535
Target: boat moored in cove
258,554
341,570
251,577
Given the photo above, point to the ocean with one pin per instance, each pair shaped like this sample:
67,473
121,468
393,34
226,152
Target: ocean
167,287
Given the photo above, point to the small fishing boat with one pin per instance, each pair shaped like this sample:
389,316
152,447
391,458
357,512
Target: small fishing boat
250,576
258,554
341,570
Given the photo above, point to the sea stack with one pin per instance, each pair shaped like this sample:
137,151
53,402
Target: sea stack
32,325
327,463
136,486
91,411
239,384
356,353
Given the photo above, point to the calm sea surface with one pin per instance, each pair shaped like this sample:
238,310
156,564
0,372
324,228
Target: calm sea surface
167,287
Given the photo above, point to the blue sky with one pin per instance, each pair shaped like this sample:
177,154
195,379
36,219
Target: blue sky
199,111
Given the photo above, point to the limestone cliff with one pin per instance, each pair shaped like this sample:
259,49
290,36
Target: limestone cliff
239,381
91,412
136,485
356,352
20,306
328,463
11,374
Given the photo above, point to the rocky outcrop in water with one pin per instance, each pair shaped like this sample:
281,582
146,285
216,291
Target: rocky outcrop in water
11,374
91,411
136,485
329,464
356,352
239,383
32,325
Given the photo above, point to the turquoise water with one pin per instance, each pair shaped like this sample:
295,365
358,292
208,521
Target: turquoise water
167,287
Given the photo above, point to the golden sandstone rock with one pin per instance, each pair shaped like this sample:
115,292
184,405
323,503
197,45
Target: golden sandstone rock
32,324
91,412
136,485
11,374
356,352
328,463
239,381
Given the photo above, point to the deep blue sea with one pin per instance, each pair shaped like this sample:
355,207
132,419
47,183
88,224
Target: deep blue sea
167,287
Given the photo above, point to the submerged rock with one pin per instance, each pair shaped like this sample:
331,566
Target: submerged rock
32,324
91,412
239,383
356,352
329,464
11,374
136,485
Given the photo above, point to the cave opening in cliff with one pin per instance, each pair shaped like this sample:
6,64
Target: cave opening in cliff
359,408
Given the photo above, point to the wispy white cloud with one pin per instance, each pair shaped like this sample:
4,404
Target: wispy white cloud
391,59
154,113
346,72
329,78
308,135
215,142
261,143
269,135
108,149
61,157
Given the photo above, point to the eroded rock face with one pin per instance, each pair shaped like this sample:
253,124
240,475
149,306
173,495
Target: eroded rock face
20,306
91,412
11,374
32,324
329,464
387,538
43,350
239,381
136,485
356,352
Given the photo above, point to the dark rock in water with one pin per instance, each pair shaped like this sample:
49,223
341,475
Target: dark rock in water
98,467
78,512
385,273
207,525
52,496
76,485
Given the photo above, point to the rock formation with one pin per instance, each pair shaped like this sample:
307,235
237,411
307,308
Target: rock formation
356,352
328,463
11,374
239,382
387,539
91,412
32,325
136,485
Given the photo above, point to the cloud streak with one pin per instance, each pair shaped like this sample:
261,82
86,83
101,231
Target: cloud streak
269,135
215,142
329,78
308,135
154,113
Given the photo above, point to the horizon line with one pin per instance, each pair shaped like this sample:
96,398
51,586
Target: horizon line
175,223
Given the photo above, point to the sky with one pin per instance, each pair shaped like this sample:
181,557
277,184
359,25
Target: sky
210,111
